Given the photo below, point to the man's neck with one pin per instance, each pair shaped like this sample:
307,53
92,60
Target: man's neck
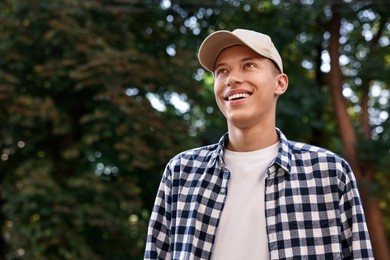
251,139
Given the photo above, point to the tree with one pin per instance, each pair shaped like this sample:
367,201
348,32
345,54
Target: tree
364,169
79,133
90,97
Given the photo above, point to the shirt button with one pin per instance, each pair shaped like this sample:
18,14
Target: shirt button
223,191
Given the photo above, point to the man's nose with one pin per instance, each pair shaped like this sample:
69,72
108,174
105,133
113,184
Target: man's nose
233,79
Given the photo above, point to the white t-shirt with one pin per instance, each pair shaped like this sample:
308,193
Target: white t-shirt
242,232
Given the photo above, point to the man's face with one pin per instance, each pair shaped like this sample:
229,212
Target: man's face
246,87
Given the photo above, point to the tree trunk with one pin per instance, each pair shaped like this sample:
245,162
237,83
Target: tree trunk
348,137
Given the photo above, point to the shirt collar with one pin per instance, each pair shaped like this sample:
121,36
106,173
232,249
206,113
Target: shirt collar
283,158
218,154
284,154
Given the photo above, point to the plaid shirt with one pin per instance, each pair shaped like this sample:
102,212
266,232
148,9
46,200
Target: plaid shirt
313,208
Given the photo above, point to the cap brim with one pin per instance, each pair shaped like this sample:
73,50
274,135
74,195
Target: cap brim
213,45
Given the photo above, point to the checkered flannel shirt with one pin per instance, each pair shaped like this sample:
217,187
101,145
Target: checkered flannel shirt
312,206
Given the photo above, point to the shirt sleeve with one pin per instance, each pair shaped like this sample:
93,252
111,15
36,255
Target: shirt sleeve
158,239
356,242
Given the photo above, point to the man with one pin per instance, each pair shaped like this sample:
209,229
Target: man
255,194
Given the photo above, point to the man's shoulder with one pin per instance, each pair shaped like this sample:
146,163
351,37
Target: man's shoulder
306,151
191,163
201,153
300,147
291,149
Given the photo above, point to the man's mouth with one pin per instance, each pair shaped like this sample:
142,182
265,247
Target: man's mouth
238,96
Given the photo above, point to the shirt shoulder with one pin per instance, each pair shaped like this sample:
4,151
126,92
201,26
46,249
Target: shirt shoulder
194,163
293,155
200,156
301,148
198,153
310,152
319,161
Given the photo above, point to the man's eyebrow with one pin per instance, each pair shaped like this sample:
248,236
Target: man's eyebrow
219,65
223,63
249,58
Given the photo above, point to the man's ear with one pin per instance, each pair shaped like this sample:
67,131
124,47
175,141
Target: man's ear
282,84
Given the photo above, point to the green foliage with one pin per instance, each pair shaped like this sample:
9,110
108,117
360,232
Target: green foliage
82,148
74,218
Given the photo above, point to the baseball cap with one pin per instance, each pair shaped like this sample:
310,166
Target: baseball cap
219,40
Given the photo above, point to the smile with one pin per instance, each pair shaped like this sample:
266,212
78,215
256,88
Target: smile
238,96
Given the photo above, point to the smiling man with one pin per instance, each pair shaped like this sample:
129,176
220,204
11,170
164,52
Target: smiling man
255,194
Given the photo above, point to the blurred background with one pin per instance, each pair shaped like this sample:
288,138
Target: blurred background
97,95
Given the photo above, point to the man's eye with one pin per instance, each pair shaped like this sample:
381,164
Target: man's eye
221,71
249,65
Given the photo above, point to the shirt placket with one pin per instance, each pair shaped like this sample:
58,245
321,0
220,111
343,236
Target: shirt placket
220,198
272,195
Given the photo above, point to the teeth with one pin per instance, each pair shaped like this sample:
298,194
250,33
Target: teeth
239,95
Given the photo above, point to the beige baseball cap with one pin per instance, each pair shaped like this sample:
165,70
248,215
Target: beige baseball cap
219,40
